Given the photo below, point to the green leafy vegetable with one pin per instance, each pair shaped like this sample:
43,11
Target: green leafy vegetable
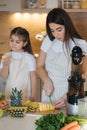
57,121
51,122
80,120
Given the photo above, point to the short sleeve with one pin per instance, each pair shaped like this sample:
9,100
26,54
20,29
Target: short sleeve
46,44
83,45
31,62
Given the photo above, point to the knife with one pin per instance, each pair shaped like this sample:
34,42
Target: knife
50,99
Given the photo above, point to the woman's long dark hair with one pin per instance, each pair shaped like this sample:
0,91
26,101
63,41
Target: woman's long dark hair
60,16
24,34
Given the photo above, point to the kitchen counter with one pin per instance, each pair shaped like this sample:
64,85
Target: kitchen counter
25,123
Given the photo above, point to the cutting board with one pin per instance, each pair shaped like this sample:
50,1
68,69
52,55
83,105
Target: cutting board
44,112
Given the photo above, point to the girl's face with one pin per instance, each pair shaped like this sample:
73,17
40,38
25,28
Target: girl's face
16,43
58,31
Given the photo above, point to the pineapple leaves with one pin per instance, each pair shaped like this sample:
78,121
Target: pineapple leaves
16,97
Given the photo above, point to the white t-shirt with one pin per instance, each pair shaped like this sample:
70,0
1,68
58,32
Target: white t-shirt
30,60
58,66
59,46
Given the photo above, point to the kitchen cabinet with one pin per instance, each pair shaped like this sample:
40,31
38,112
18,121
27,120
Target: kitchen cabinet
11,5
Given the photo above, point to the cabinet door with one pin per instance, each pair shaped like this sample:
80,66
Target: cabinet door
4,5
11,5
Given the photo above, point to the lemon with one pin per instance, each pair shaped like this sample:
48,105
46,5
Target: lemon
1,112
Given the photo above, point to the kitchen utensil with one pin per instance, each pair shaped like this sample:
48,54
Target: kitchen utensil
50,99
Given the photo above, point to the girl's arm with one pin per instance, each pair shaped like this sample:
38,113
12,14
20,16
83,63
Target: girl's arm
5,69
34,89
48,86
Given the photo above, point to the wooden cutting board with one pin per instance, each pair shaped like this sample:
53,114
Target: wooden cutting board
44,112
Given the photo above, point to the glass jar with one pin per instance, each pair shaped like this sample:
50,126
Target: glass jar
67,4
76,4
32,3
41,3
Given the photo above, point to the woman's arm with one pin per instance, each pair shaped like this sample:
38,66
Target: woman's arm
34,89
48,86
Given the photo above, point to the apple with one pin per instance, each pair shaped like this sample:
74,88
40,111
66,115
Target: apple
3,104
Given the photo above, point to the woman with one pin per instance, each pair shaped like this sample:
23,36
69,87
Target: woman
54,61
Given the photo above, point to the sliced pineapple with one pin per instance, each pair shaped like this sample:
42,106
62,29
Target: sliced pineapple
34,104
46,107
31,106
26,103
4,56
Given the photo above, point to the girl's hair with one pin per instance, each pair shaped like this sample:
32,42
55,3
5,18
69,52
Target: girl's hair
24,34
60,16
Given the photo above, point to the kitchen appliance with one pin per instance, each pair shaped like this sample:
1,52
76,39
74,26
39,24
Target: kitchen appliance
76,82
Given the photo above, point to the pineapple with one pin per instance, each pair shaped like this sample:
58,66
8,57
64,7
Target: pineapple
46,107
16,97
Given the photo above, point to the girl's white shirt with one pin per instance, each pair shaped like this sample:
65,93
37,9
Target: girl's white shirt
29,59
59,46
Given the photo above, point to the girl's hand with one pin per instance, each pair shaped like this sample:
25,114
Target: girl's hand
6,61
61,102
48,87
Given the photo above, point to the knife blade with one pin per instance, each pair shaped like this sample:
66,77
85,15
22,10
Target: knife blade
50,99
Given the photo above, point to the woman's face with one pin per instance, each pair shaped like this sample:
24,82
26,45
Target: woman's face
16,43
58,31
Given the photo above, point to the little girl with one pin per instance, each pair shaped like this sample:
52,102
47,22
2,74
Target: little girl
18,66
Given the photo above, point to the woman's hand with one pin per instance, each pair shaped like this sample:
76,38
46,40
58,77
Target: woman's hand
61,102
48,87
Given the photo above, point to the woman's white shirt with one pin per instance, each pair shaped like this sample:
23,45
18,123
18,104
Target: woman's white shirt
59,46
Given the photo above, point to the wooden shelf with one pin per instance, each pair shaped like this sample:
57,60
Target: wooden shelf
46,10
36,10
76,10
